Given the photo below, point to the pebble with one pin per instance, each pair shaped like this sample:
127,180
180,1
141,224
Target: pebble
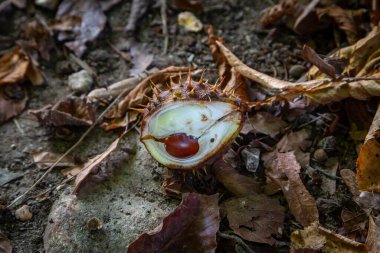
296,71
81,82
251,157
23,213
320,155
94,224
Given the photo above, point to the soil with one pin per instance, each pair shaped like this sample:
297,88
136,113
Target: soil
271,51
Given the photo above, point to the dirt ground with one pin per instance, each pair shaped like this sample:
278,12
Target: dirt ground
271,51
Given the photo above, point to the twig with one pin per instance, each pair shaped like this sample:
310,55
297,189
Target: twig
324,173
164,26
70,149
237,240
19,127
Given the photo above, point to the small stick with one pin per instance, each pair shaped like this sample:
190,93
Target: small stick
324,173
18,127
164,26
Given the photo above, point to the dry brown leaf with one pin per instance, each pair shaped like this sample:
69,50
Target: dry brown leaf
84,177
5,244
16,66
347,20
348,177
368,163
267,123
13,98
354,224
311,56
44,160
231,80
315,237
328,185
286,174
373,237
141,59
239,184
256,218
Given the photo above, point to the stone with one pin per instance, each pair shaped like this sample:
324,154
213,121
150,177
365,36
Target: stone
296,71
23,213
123,207
251,157
80,82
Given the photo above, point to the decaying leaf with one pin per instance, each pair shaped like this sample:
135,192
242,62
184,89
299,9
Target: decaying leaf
92,23
354,224
320,239
189,21
44,160
16,66
286,174
88,172
188,5
348,177
368,163
347,20
5,244
256,218
328,185
72,111
267,123
226,173
311,56
373,242
138,9
13,98
190,228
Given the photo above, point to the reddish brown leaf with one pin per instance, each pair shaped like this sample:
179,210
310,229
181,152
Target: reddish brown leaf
256,218
354,224
13,100
190,228
286,174
5,244
266,123
311,56
239,184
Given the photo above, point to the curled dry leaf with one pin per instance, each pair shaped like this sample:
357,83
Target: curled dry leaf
13,98
5,244
367,165
44,160
354,224
286,174
226,173
88,172
373,242
92,22
230,79
256,218
190,228
72,111
311,56
320,239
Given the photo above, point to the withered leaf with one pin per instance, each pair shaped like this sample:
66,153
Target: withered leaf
5,244
316,237
239,184
140,59
84,177
256,217
367,172
190,228
311,56
92,23
354,223
44,160
13,100
373,242
72,111
188,5
286,174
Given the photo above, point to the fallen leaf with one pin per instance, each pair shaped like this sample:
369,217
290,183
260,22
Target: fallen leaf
138,9
328,185
92,18
88,172
140,59
315,237
285,173
354,224
225,172
256,218
347,20
311,56
5,244
71,111
44,160
230,79
16,66
373,242
367,165
348,177
369,201
13,100
189,21
191,227
267,123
